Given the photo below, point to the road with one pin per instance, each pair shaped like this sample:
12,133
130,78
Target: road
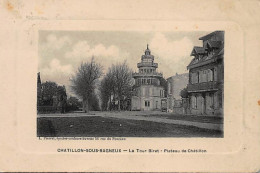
146,116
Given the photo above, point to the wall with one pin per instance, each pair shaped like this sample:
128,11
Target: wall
212,104
175,85
147,93
135,102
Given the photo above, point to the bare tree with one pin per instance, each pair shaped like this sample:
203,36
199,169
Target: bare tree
83,83
122,79
107,90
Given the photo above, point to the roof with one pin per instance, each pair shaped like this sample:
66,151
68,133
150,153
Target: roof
215,44
38,77
206,37
207,59
197,50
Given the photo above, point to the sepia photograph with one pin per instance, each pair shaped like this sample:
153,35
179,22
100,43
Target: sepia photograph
130,84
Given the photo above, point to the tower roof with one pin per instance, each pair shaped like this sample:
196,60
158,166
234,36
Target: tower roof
147,51
38,77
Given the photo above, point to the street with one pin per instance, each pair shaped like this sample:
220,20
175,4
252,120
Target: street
128,124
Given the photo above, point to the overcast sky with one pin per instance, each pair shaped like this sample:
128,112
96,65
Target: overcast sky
61,52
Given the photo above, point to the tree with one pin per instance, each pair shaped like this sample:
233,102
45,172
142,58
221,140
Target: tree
94,102
184,93
54,95
107,89
163,83
117,85
73,104
62,98
83,82
49,91
121,78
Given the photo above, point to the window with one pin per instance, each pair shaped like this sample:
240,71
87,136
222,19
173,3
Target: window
161,93
216,102
194,78
215,74
210,75
194,102
211,103
203,77
147,103
220,99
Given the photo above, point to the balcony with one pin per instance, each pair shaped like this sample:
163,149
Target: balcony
205,86
147,64
153,74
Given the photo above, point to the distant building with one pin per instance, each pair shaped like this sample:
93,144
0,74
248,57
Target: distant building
148,93
206,76
50,96
39,89
174,86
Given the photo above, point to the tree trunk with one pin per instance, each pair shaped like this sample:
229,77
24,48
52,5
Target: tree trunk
119,105
85,105
110,103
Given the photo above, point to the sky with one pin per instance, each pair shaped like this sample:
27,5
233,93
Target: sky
61,52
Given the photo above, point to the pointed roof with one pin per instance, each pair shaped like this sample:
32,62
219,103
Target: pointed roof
38,78
197,50
206,37
147,51
214,44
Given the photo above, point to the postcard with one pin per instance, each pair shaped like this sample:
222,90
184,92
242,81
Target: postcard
113,92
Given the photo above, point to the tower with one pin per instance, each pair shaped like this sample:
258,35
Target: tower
148,92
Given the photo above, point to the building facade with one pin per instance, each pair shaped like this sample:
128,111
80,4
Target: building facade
175,84
206,76
148,93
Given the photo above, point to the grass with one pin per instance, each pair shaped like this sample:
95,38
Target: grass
94,126
193,118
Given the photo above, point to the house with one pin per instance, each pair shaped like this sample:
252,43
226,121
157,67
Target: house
148,92
206,76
